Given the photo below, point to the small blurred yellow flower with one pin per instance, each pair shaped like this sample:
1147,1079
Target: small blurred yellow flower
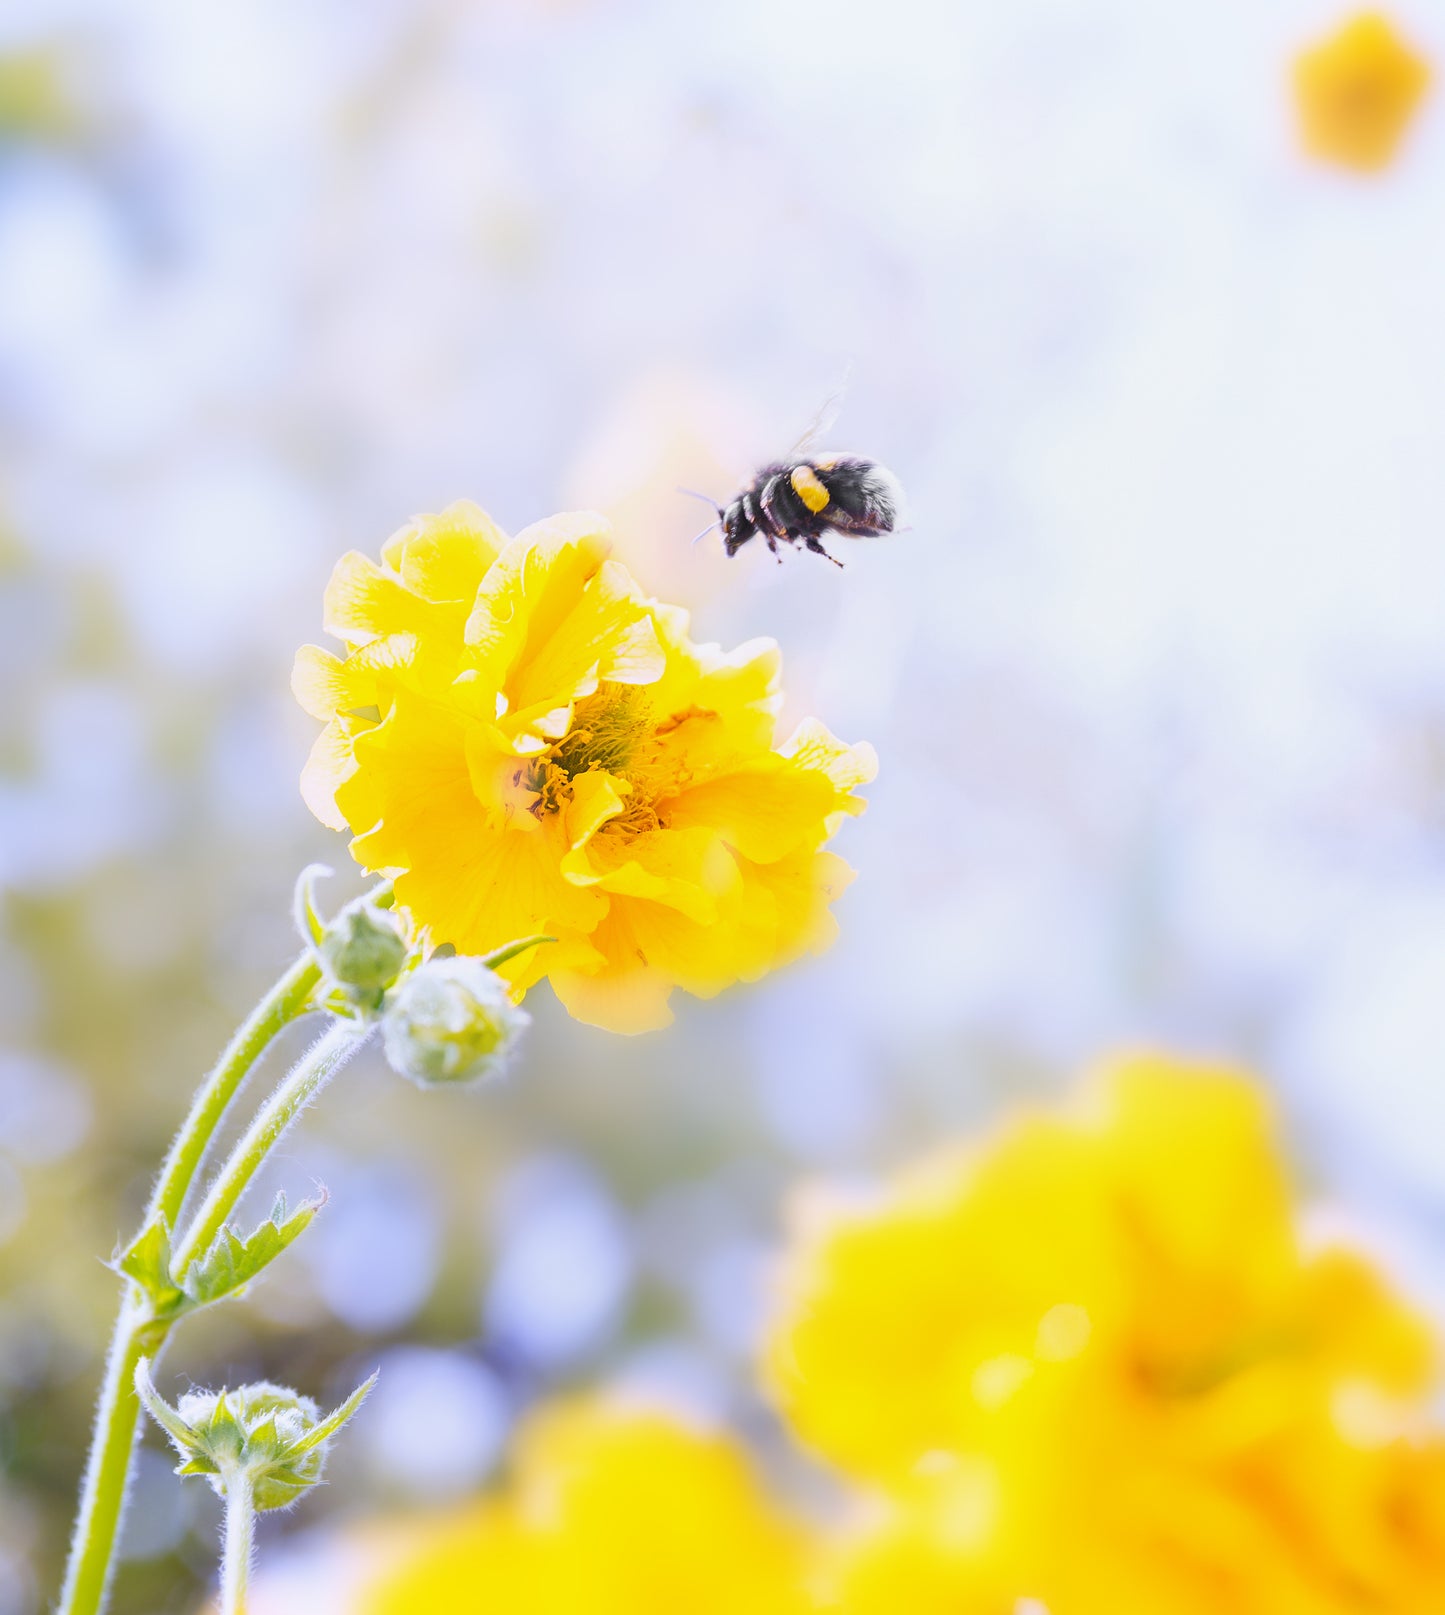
1092,1364
35,98
529,744
1357,92
610,1512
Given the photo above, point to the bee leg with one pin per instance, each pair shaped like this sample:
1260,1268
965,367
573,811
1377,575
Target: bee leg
811,540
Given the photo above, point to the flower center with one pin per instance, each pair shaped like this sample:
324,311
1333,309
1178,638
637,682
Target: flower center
607,730
610,731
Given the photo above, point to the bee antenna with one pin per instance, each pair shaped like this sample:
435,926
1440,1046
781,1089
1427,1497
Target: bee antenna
707,499
692,493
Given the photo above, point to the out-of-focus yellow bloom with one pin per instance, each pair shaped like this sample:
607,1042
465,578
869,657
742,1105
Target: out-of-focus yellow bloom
529,744
35,100
1091,1363
611,1512
1357,92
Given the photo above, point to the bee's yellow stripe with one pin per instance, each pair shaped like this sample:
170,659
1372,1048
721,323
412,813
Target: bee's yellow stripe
807,487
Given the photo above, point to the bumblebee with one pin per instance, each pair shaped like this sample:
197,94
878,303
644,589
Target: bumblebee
797,501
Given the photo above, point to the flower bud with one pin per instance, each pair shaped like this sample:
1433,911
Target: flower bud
451,1020
271,1436
363,948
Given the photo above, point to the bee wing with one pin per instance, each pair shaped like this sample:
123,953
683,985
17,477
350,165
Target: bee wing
826,418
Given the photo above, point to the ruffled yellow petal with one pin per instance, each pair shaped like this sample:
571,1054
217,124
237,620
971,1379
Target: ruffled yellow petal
365,601
499,888
324,685
623,993
813,747
794,895
690,871
444,558
330,764
607,634
648,947
597,796
532,586
741,688
410,778
764,808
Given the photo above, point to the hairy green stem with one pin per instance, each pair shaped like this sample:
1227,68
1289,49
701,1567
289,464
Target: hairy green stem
287,1000
240,1533
107,1472
302,1083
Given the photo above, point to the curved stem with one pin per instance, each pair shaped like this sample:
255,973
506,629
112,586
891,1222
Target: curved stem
240,1533
107,1473
287,1001
303,1082
137,1334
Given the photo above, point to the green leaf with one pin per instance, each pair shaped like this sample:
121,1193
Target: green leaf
233,1261
147,1260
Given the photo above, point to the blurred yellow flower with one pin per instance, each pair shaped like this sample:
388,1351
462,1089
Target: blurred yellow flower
529,744
610,1511
1357,92
35,99
1092,1363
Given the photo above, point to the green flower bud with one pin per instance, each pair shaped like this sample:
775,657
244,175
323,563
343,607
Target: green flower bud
364,948
451,1020
271,1436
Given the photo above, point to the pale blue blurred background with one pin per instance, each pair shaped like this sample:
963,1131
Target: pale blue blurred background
1156,674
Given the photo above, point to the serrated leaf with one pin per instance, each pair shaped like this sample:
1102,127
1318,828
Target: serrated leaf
233,1261
147,1260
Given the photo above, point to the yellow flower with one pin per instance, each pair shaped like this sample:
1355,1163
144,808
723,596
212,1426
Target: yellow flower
1357,92
530,745
613,1512
1092,1363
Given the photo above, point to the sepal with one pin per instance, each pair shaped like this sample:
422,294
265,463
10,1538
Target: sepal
270,1437
309,924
